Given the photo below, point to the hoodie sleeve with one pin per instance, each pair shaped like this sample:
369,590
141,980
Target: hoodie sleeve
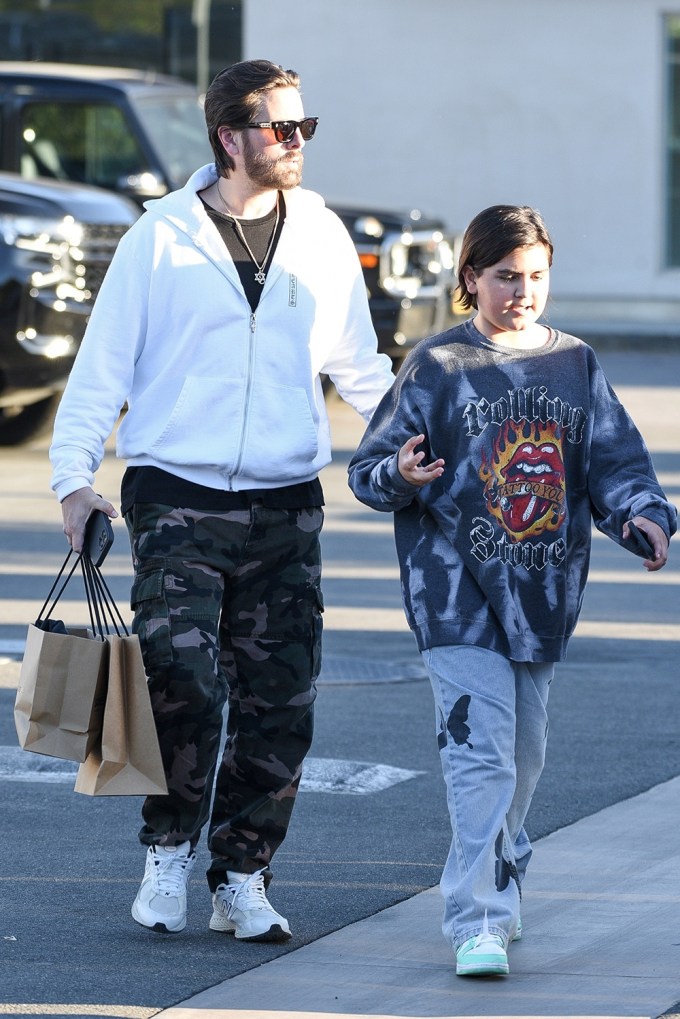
101,377
360,374
622,482
374,475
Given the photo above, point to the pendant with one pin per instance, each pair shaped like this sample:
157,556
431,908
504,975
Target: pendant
260,278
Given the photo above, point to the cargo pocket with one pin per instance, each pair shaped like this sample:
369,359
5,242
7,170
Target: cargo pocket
151,617
317,630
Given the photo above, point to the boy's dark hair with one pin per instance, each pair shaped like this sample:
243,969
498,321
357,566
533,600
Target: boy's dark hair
492,235
234,96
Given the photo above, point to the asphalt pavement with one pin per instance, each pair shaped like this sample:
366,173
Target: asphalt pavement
357,875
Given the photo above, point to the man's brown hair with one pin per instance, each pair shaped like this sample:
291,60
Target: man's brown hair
233,99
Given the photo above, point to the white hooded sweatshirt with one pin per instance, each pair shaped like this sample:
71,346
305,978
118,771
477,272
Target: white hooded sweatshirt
215,394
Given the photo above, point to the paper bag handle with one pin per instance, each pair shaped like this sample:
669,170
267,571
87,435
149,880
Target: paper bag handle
104,614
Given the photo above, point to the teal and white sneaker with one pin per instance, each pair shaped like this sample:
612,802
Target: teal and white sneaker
483,955
517,936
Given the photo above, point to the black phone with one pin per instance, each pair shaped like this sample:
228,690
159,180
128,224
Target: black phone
98,537
641,543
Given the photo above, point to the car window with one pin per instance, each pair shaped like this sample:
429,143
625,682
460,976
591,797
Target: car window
176,127
86,142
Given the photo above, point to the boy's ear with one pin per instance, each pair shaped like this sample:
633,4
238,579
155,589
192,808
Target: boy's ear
470,279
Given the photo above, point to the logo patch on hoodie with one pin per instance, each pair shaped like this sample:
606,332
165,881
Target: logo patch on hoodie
292,291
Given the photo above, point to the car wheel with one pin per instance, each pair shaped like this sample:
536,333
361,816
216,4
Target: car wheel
18,424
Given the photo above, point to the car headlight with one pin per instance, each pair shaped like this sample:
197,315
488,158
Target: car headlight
52,253
34,233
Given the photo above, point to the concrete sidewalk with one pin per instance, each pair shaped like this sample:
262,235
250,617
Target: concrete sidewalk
601,920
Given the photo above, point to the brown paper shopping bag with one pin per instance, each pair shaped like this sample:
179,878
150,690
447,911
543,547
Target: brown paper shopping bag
62,685
127,762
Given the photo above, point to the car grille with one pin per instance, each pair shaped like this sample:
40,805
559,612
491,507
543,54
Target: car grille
416,262
98,245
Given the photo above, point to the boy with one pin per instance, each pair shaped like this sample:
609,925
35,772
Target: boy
499,441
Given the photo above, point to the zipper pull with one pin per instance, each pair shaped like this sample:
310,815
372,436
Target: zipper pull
252,322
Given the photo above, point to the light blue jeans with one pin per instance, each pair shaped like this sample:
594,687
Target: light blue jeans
492,727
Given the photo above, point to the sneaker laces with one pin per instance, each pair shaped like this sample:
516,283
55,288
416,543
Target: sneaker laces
486,936
170,872
248,894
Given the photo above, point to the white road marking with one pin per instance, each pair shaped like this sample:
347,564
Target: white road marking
321,775
86,1011
17,765
353,778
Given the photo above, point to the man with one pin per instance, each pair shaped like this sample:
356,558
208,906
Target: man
221,307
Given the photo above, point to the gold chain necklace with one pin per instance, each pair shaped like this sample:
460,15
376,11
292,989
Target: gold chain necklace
260,275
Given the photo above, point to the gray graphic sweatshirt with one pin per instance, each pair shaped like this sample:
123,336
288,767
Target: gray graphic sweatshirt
495,553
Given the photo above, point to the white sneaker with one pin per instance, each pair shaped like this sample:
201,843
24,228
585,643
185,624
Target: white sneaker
161,902
241,908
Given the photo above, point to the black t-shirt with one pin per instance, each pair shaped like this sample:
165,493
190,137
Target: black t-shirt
153,485
258,235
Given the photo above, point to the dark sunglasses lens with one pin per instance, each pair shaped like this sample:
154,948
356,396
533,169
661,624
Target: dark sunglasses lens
307,128
284,130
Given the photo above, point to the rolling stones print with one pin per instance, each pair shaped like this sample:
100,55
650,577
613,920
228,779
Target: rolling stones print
524,483
522,476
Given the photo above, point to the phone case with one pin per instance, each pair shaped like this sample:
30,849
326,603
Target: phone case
98,537
640,541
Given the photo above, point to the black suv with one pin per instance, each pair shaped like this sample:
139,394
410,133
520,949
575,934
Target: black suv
142,134
408,264
56,242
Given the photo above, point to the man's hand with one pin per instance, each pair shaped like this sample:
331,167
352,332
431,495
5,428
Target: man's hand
411,467
76,509
657,540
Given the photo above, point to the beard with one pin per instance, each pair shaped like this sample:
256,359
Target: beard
280,174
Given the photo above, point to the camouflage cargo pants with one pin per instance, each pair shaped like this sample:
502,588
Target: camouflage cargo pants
228,606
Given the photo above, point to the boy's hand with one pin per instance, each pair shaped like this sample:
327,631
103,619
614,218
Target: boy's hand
411,467
657,539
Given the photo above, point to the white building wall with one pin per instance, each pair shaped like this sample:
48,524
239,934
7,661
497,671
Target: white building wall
454,105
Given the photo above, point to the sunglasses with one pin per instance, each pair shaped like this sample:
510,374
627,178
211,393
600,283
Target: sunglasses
284,130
